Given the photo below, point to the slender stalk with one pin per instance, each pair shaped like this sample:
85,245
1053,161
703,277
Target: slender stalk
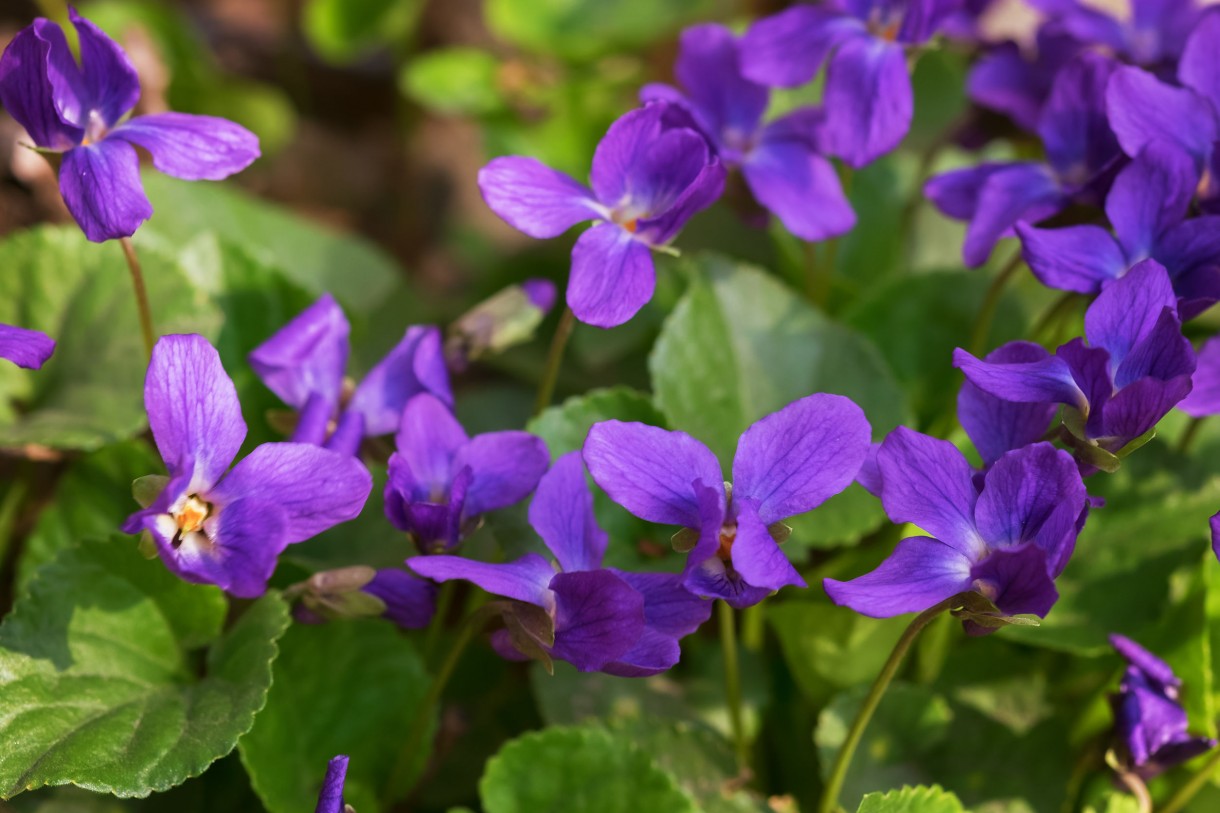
732,684
991,301
1187,792
1143,800
399,782
834,784
1053,315
554,358
137,282
1189,434
444,603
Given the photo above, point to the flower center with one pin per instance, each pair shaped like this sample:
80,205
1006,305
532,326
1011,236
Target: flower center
190,518
728,533
95,129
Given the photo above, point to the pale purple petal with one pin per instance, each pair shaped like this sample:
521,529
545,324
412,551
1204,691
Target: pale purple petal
562,514
39,85
1074,258
868,100
428,440
653,653
786,49
1128,310
25,348
612,276
316,488
920,573
313,420
192,409
707,68
621,151
1017,580
756,555
194,148
1149,197
330,798
995,425
1204,398
410,602
533,198
1047,381
1199,67
663,171
110,86
651,471
669,608
1143,110
307,356
505,467
415,365
795,459
798,186
702,192
526,579
101,187
598,618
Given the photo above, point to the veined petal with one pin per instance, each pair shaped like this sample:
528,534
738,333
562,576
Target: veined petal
110,85
525,579
101,187
788,48
1150,196
1143,110
995,425
868,100
415,365
1007,196
612,276
707,68
1153,668
652,654
651,471
330,798
1199,67
25,348
307,356
562,514
1073,124
798,186
598,618
701,193
40,85
1138,406
428,440
410,602
505,467
1074,258
622,149
192,409
535,199
756,555
1128,309
669,608
1018,580
795,459
314,487
920,573
1047,381
1204,398
194,148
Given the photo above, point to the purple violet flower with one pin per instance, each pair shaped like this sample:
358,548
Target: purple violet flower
304,363
1204,397
441,481
607,620
330,798
76,110
995,425
1008,80
868,98
1135,367
1080,150
212,525
25,348
780,161
1153,35
650,175
1007,540
786,464
1148,715
410,602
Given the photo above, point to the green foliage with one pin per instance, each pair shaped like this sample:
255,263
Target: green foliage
149,719
343,30
461,81
919,799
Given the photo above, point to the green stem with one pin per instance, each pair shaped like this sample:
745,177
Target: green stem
554,358
732,684
409,753
1187,792
991,301
444,603
1188,435
1054,314
834,784
137,282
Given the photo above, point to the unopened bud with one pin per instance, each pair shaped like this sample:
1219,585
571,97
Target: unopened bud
508,318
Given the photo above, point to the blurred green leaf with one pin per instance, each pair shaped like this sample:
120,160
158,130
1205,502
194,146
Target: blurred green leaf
912,800
455,81
343,30
340,688
142,720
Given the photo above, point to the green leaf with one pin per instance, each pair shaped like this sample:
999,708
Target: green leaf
585,769
100,657
455,81
342,30
91,392
340,688
919,799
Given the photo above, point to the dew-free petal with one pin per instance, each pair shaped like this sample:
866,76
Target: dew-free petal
920,573
652,654
109,84
505,467
996,425
612,276
800,187
1144,109
25,348
669,608
707,68
1019,580
786,49
562,514
1075,258
415,365
101,187
330,798
40,85
525,579
1049,380
190,147
428,439
535,199
868,100
307,356
410,602
755,555
1150,196
598,618
1128,310
1199,67
1204,398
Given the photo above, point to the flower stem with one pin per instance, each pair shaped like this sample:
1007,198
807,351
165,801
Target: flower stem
991,301
1187,439
554,358
444,603
1048,324
137,282
834,784
1187,792
732,684
1138,789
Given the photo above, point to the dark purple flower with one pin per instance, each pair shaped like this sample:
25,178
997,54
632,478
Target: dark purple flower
441,481
603,619
1135,367
1080,150
330,798
1204,397
1007,540
213,525
304,364
786,464
995,425
410,602
1148,715
1009,80
1152,35
77,109
780,161
649,177
1147,206
867,98
25,348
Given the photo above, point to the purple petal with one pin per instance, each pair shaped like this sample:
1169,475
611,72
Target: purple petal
1199,67
1047,381
330,798
505,467
798,186
920,573
1150,196
109,83
786,49
713,578
1143,110
868,100
669,608
1204,398
192,409
348,434
707,69
314,487
1016,580
995,425
704,190
1033,495
525,579
869,476
1127,310
795,459
562,514
612,276
598,618
1214,526
627,148
922,18
25,348
651,471
410,602
194,148
1153,667
428,440
535,199
307,356
101,187
1073,124
40,85
663,171
1138,406
1190,253
928,482
1007,196
756,555
415,365
1003,81
1075,258
652,654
